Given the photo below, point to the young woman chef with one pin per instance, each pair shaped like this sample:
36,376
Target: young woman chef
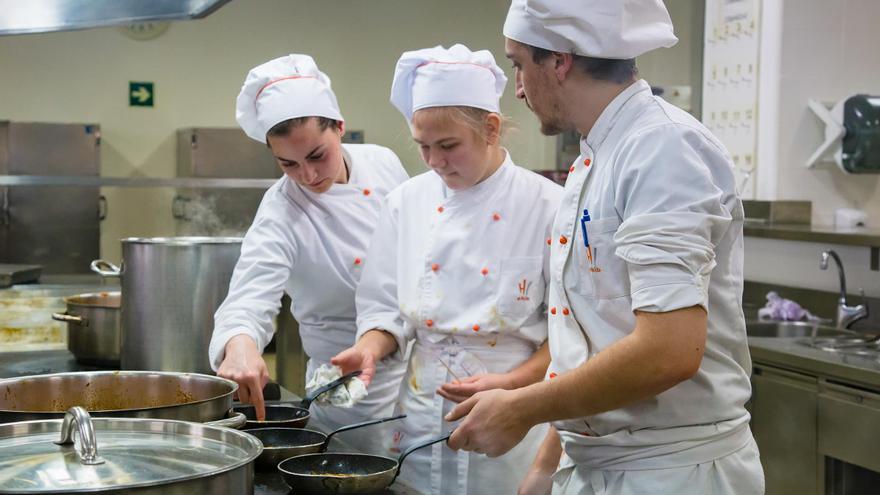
309,237
458,264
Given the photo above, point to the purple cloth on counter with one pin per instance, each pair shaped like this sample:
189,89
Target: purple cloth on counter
779,308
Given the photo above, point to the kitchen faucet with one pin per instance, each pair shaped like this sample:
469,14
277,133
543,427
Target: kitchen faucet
846,315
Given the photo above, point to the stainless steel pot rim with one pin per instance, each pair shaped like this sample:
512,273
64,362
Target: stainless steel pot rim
144,425
173,374
71,300
182,241
324,454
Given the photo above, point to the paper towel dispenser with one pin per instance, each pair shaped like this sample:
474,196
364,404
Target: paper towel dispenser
852,134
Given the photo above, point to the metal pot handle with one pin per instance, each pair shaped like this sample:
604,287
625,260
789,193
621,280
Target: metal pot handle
79,320
78,417
105,268
235,420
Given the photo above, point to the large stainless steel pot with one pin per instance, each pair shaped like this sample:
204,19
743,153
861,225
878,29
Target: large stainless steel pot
171,287
136,394
125,456
93,327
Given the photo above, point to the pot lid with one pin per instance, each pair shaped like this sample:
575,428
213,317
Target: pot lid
115,453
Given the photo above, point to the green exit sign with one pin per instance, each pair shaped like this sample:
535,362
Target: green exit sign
141,94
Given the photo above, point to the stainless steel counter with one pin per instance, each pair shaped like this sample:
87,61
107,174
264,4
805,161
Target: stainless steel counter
792,354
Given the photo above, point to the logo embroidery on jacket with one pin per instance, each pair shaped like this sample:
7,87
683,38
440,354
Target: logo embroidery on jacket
524,290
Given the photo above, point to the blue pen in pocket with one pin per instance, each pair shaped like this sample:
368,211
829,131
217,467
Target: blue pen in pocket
584,220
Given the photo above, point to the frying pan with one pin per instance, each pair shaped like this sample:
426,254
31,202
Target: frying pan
343,473
289,415
283,443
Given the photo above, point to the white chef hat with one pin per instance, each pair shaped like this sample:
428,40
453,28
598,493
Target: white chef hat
440,77
281,89
614,29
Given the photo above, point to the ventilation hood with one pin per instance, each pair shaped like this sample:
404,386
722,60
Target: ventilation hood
42,16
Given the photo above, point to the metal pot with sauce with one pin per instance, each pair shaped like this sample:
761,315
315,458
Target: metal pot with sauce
134,394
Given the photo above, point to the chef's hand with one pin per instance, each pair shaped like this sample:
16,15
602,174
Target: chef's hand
353,359
492,423
244,365
459,391
371,348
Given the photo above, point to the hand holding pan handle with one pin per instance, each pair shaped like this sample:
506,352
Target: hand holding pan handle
417,447
358,425
309,398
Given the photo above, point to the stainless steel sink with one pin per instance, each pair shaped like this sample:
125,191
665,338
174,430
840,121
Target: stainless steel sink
790,329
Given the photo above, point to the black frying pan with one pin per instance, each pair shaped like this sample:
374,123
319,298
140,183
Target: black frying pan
343,473
283,443
295,415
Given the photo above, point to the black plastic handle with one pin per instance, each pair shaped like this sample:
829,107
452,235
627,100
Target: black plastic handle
417,447
309,398
359,425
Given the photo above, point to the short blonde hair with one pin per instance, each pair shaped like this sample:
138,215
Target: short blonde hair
470,117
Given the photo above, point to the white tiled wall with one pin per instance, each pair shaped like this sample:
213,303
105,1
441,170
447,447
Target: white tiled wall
829,51
796,264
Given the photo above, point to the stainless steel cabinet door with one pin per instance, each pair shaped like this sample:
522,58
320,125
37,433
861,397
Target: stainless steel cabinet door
784,419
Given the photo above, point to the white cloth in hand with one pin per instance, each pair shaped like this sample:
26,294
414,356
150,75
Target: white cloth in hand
343,396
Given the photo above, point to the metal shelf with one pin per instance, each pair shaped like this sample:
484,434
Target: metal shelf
141,182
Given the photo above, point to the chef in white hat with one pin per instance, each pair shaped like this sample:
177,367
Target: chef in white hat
650,364
458,265
309,237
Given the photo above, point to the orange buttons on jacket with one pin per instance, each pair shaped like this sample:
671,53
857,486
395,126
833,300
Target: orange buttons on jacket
565,311
435,267
553,310
439,209
587,162
549,241
476,328
357,261
484,271
571,169
496,217
563,239
366,192
429,323
553,375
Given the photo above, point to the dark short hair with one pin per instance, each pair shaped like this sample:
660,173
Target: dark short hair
283,128
602,69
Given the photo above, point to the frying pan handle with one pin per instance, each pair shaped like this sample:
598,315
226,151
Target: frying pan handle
105,268
77,417
358,425
235,420
417,447
79,320
309,398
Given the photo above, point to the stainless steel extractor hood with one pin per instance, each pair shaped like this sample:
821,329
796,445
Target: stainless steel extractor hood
41,16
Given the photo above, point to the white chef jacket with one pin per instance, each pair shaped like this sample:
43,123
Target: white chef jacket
463,275
313,246
664,233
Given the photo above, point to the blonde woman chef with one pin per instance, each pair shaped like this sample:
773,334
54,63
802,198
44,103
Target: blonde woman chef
459,265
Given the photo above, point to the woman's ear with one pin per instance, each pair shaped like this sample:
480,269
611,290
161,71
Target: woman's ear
493,128
340,128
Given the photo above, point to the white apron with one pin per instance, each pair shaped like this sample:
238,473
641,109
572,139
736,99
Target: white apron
655,194
313,246
463,274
